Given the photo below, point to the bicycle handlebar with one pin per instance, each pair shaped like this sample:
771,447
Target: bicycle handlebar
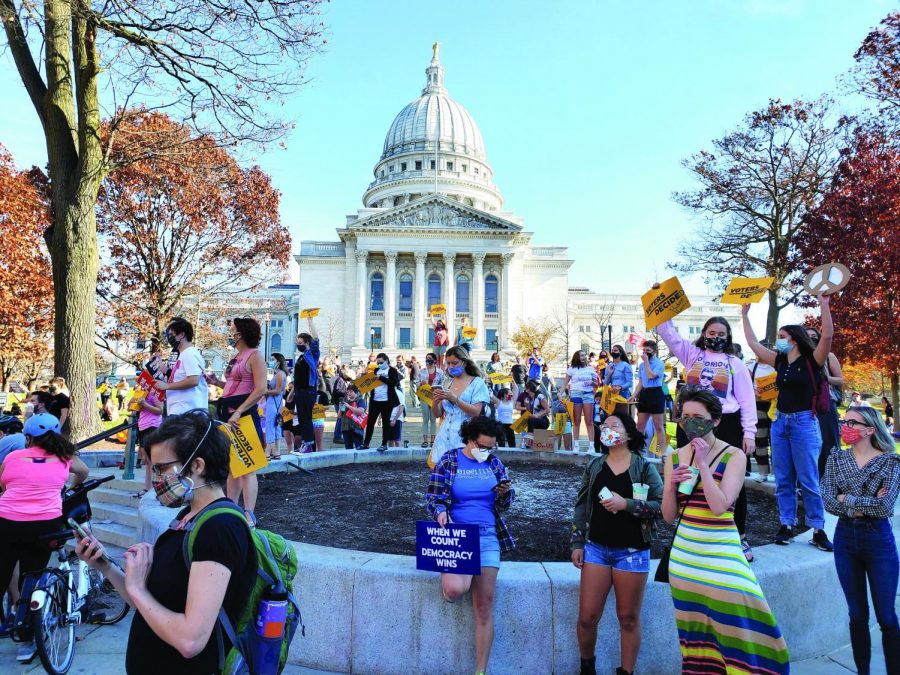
86,486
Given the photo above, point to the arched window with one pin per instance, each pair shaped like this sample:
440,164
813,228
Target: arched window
434,290
490,293
377,293
462,293
406,292
275,344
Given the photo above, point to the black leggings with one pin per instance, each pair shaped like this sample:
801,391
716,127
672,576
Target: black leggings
508,436
731,431
21,545
382,408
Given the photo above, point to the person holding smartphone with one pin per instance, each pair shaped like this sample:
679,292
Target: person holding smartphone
469,484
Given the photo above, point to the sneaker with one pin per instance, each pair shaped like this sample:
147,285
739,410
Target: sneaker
382,448
820,541
26,652
784,535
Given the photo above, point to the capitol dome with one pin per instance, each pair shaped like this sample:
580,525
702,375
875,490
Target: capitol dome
433,145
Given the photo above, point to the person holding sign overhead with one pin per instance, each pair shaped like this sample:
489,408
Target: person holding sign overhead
463,335
243,387
462,396
796,437
441,340
306,384
470,485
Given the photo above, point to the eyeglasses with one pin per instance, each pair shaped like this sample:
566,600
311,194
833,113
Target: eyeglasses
158,469
481,447
853,424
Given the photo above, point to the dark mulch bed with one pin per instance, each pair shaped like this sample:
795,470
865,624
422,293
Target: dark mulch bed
374,508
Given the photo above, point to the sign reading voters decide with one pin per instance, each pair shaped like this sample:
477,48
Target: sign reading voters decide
455,548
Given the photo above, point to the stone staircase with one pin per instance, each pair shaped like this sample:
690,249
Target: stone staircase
115,510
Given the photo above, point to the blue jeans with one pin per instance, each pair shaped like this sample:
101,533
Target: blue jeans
866,548
796,443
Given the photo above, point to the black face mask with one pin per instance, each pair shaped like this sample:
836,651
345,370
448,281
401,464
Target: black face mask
616,355
716,344
173,341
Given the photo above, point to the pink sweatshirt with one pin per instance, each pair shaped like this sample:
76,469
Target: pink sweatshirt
723,374
32,488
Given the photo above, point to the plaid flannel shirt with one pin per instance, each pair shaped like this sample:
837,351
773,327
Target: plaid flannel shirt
861,486
440,485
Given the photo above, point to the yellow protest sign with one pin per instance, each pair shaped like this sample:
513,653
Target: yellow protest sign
135,404
247,453
103,387
318,412
469,332
425,393
500,378
664,303
521,424
609,398
766,389
559,424
744,291
438,310
367,382
309,313
570,407
601,364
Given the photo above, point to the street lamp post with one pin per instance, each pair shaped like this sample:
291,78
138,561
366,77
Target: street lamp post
371,339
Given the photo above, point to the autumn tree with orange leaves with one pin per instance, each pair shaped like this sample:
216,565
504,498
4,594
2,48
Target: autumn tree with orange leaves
26,284
184,226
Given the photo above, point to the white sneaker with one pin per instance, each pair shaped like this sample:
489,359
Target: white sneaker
26,652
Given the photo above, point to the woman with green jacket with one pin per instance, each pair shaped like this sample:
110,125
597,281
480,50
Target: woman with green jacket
613,524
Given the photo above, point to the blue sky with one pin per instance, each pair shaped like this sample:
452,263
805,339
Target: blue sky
586,108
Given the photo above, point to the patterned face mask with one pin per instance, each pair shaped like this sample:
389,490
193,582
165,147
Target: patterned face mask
696,427
174,489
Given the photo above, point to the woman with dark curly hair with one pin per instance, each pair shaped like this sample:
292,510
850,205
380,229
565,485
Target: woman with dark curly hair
470,485
612,527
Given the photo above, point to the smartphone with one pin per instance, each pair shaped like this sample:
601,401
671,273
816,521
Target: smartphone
80,531
605,493
502,482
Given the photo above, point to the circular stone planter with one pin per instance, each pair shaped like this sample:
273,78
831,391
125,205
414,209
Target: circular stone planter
375,613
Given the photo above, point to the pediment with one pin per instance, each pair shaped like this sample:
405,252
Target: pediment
434,213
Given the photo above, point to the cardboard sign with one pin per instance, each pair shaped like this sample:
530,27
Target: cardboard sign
309,313
543,441
455,548
367,382
664,303
247,452
500,378
570,407
742,291
521,424
425,393
103,387
766,389
601,365
146,382
635,339
135,404
318,411
438,310
559,424
609,398
469,332
827,279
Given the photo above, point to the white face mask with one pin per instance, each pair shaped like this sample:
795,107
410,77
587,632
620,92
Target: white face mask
480,455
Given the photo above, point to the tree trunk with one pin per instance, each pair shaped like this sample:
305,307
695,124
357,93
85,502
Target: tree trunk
772,318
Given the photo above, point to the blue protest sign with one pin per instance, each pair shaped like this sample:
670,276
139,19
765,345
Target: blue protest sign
455,549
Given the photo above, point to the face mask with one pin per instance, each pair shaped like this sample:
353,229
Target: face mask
616,355
429,362
173,341
782,346
271,365
173,489
716,344
301,347
814,339
480,455
610,437
697,427
53,388
456,371
851,436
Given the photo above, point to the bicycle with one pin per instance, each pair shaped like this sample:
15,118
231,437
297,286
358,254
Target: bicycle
56,599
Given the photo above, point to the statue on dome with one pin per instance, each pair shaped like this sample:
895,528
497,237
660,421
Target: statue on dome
435,48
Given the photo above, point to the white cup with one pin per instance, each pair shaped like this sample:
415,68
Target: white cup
640,491
687,486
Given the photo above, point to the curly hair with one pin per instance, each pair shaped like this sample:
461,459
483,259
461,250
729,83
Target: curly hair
250,331
478,426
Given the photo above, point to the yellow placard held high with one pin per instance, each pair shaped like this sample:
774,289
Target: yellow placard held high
309,313
664,303
500,378
438,310
766,389
425,393
521,424
247,453
559,424
744,291
367,382
469,332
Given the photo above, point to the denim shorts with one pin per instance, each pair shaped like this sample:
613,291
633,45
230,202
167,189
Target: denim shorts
581,400
622,559
490,546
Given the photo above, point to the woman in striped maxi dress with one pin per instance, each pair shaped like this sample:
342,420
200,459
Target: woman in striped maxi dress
724,623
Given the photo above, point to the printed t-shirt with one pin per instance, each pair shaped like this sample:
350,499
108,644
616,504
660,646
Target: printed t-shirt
180,401
581,380
223,539
535,367
472,496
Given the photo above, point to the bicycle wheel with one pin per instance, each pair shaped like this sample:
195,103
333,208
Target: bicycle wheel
54,635
105,599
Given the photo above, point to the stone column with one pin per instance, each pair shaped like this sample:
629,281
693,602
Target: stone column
362,286
390,301
478,297
420,316
505,326
450,294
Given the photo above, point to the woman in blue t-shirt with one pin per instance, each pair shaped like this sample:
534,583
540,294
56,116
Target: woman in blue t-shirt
470,485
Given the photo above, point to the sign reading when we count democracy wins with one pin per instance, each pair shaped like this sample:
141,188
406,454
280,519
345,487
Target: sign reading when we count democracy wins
455,548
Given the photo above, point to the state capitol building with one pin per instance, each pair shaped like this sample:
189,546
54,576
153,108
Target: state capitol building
433,230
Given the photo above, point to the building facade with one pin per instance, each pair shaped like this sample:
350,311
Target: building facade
433,230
